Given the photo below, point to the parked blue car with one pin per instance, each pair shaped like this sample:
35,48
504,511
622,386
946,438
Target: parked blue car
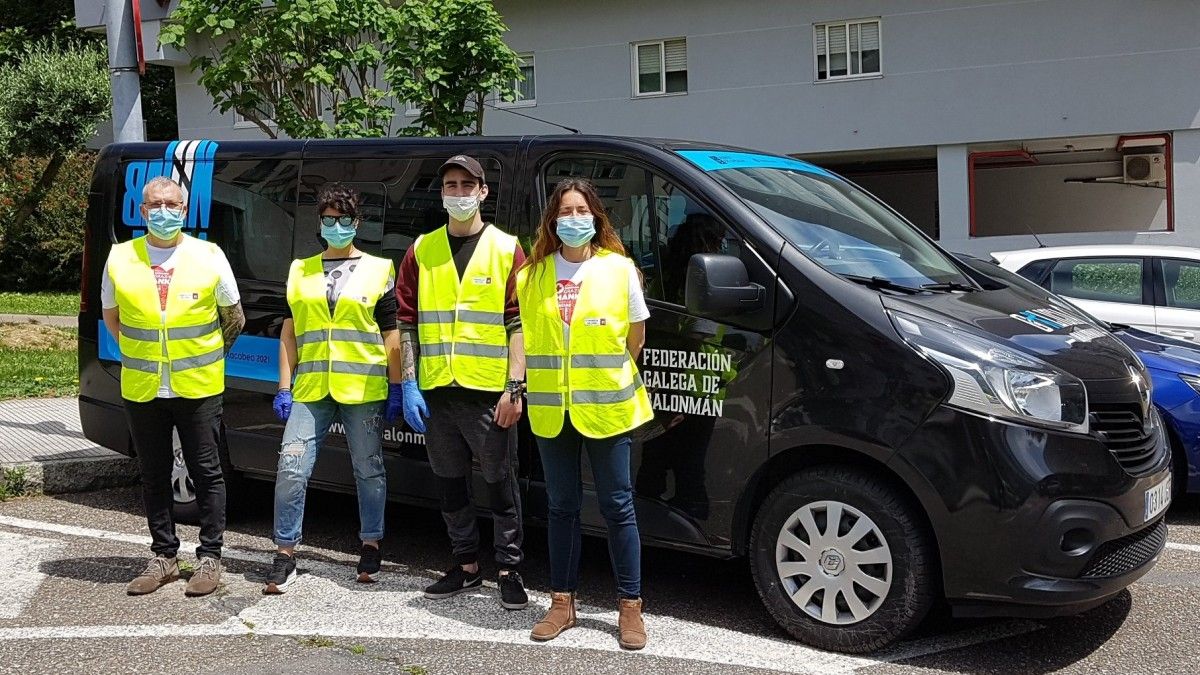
1174,367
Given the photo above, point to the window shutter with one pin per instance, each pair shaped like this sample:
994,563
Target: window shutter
649,59
870,35
837,39
676,51
819,36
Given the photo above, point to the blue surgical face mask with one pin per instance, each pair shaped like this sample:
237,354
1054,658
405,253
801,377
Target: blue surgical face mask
165,223
338,235
575,231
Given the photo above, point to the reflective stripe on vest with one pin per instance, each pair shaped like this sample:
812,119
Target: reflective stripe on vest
185,338
340,355
460,324
593,376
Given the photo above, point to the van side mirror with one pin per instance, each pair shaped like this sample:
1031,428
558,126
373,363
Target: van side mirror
719,284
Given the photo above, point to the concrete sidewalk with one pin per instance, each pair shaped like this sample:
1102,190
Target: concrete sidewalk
57,321
44,436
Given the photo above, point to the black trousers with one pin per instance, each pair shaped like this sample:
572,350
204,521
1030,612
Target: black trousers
461,425
199,424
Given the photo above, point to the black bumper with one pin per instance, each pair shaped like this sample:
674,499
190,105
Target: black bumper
1032,522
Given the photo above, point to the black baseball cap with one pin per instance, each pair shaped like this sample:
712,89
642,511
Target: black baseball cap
468,164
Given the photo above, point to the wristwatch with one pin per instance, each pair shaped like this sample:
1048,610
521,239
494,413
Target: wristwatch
514,388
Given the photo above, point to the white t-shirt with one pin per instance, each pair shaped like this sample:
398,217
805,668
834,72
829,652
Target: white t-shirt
162,262
570,278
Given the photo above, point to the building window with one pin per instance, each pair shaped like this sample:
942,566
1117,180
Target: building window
264,111
411,109
660,67
846,49
526,87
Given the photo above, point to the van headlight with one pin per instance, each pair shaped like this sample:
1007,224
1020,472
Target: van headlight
992,379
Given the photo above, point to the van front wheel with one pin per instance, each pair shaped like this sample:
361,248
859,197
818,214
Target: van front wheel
841,561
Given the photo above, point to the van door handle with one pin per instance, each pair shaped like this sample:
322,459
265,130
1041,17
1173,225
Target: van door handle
1175,332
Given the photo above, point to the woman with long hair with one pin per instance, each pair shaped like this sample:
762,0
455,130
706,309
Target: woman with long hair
583,316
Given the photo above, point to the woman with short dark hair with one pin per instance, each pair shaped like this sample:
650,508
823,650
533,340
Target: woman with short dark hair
339,359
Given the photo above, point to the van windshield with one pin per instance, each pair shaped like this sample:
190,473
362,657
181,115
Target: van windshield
834,223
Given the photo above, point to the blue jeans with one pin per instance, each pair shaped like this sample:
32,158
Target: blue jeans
609,458
302,438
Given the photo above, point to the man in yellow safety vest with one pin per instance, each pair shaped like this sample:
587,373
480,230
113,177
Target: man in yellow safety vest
172,302
461,348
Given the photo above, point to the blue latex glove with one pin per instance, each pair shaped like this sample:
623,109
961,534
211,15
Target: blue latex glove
415,410
395,402
283,405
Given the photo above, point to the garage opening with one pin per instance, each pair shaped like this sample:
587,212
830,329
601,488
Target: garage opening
1072,185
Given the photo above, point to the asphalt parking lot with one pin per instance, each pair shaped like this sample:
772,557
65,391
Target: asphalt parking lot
64,562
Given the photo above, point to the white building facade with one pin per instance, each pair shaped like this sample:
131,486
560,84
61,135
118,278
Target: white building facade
980,120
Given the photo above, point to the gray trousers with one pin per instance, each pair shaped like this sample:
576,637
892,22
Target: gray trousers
461,425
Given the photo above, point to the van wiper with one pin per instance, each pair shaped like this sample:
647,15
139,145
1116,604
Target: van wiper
949,286
882,283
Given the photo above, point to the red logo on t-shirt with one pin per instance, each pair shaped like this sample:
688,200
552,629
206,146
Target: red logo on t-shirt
568,293
163,279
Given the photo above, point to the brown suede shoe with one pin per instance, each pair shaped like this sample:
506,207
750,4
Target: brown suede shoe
205,579
160,572
560,617
629,621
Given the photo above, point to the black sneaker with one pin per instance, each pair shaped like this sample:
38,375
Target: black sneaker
456,581
369,559
512,590
283,573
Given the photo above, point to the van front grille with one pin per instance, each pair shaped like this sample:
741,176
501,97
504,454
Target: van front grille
1121,429
1128,553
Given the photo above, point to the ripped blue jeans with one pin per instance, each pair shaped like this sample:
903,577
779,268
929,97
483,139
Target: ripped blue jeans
302,438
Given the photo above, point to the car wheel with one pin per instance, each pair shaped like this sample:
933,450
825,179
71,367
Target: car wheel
184,508
841,561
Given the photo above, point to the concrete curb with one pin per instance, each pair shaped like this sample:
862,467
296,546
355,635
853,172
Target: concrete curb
78,475
57,321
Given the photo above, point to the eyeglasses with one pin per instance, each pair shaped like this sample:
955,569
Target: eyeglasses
172,204
330,221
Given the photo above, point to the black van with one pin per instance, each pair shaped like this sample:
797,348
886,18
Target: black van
874,423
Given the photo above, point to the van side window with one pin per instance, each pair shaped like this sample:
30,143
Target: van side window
253,205
688,228
660,225
402,199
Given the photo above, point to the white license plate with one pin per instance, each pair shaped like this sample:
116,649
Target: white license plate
1157,499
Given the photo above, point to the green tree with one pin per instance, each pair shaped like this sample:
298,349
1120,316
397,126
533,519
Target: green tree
55,98
312,68
451,58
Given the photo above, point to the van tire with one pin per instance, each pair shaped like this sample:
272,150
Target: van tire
894,532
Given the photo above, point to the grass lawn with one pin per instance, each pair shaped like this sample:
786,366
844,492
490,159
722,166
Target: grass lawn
37,361
60,304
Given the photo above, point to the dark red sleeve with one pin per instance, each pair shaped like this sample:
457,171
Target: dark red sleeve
512,312
406,290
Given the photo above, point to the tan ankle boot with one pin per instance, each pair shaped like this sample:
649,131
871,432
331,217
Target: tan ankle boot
560,617
629,621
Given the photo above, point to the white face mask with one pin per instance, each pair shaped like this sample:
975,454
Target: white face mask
461,208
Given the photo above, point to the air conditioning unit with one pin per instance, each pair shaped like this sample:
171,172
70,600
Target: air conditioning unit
1145,169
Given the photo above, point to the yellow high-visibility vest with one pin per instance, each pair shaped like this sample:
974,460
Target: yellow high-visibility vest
187,341
340,355
594,372
460,323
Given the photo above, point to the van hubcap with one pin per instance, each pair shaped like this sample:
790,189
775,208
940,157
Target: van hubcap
833,562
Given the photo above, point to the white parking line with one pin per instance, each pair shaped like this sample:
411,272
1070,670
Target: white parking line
1190,548
20,557
326,602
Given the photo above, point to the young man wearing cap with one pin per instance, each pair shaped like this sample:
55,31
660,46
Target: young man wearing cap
462,353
